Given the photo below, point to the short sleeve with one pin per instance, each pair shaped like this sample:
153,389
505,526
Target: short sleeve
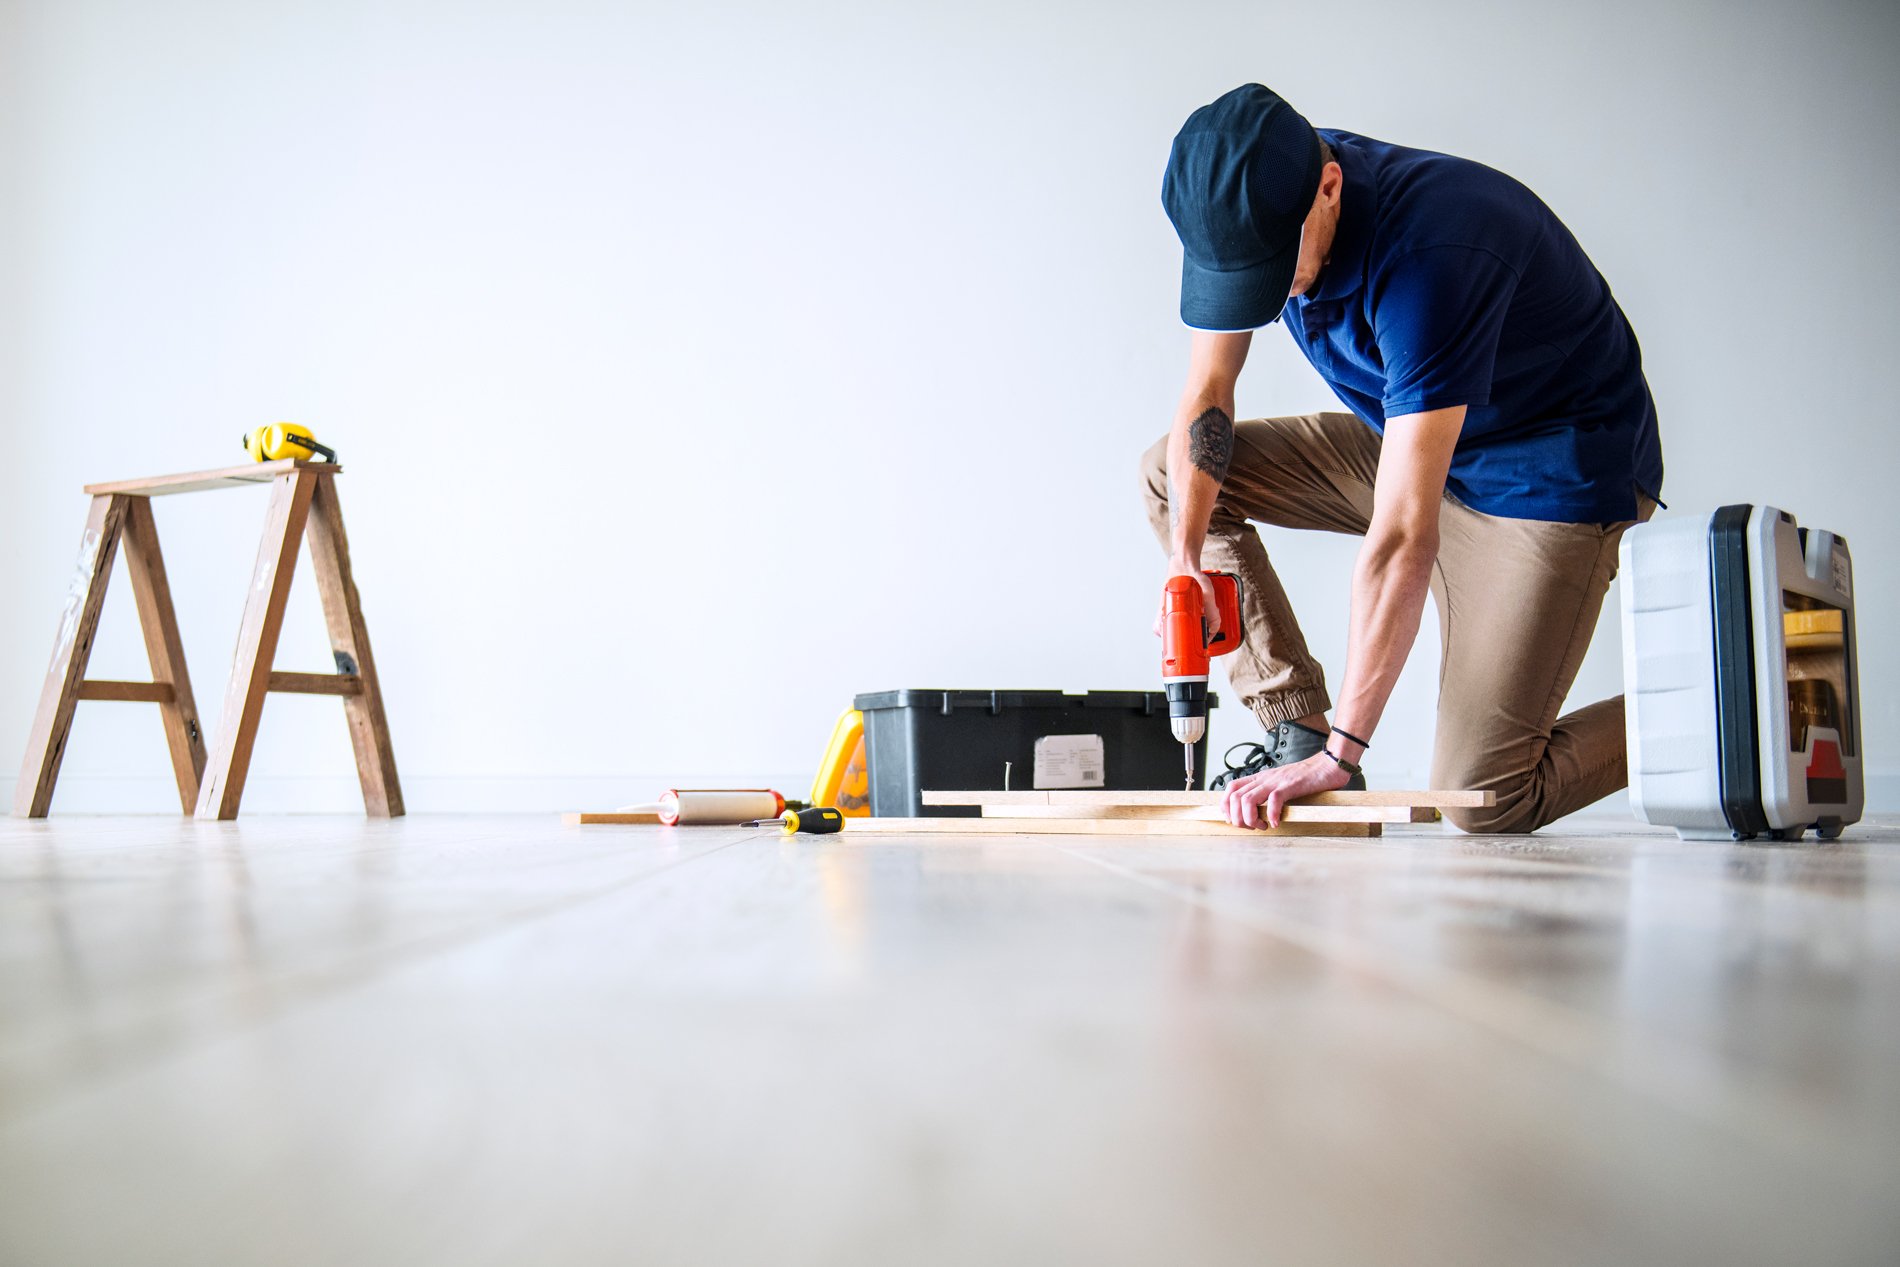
1437,315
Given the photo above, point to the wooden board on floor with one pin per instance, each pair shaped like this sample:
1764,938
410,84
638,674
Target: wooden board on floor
1076,797
585,819
1092,827
1212,814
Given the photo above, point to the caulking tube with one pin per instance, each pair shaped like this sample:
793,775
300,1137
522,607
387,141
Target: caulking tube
685,807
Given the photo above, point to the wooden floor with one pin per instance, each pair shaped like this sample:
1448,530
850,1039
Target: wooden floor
500,1041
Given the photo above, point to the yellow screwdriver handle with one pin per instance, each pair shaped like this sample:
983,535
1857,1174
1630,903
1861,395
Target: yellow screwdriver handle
818,821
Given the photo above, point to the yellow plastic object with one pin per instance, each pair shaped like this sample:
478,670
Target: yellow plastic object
854,797
1812,630
283,440
843,782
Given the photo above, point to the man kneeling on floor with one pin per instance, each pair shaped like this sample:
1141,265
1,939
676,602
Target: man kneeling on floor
1501,439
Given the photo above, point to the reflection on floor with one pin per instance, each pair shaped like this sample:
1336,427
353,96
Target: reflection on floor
497,1040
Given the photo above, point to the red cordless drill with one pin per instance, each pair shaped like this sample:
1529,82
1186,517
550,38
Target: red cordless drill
1186,652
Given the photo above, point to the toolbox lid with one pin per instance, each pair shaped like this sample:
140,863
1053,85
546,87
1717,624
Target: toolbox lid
942,701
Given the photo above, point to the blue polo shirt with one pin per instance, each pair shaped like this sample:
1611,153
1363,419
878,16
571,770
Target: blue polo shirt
1452,284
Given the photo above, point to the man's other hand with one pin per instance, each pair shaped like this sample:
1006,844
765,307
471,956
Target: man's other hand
1259,799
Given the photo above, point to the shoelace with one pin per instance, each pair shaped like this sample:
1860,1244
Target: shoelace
1253,763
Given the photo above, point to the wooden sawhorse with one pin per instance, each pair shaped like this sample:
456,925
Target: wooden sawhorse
302,494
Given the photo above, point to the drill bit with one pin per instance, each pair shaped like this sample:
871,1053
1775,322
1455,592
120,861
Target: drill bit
1187,759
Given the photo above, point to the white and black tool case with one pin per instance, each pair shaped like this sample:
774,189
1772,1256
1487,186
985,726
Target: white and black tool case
1741,676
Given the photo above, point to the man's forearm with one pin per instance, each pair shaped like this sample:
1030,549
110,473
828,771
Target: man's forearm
1200,448
1394,570
1389,584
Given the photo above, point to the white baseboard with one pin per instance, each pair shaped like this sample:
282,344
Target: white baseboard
467,794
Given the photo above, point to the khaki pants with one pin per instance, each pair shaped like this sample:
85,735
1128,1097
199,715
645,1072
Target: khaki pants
1517,602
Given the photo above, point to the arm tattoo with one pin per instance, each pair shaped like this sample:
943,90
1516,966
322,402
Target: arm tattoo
1211,442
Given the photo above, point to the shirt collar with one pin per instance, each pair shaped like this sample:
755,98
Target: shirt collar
1345,271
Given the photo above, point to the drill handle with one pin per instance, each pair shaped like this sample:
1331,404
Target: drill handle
1185,648
1227,602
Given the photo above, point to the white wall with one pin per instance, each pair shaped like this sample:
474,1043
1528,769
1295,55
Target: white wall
696,367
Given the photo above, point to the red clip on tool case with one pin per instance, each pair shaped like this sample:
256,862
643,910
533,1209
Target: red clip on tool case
1741,681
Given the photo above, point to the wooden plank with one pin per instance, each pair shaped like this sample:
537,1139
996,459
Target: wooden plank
1430,800
230,763
1211,813
316,683
246,476
130,692
72,647
584,819
1092,827
164,650
349,643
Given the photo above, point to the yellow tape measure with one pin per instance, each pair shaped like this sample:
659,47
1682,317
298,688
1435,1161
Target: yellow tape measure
284,440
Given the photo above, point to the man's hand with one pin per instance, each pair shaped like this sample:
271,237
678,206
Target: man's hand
1210,606
1258,799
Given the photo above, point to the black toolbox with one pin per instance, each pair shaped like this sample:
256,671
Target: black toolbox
954,741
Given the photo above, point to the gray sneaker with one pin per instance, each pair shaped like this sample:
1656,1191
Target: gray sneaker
1287,744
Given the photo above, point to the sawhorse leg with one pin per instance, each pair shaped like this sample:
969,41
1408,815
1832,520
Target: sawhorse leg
230,763
164,649
304,498
72,648
112,517
349,643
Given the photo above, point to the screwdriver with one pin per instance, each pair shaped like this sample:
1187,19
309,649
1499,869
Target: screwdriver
818,821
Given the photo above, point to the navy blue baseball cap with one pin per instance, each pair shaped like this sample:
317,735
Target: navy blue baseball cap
1241,178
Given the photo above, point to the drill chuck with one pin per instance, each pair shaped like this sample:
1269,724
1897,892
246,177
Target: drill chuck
1188,729
1187,707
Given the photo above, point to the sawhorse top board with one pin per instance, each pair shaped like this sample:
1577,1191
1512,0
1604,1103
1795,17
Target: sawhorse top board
251,473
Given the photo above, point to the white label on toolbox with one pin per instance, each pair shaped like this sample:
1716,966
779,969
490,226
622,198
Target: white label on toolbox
1069,761
1843,578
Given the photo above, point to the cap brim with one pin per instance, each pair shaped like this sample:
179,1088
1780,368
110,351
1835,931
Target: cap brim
1240,298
